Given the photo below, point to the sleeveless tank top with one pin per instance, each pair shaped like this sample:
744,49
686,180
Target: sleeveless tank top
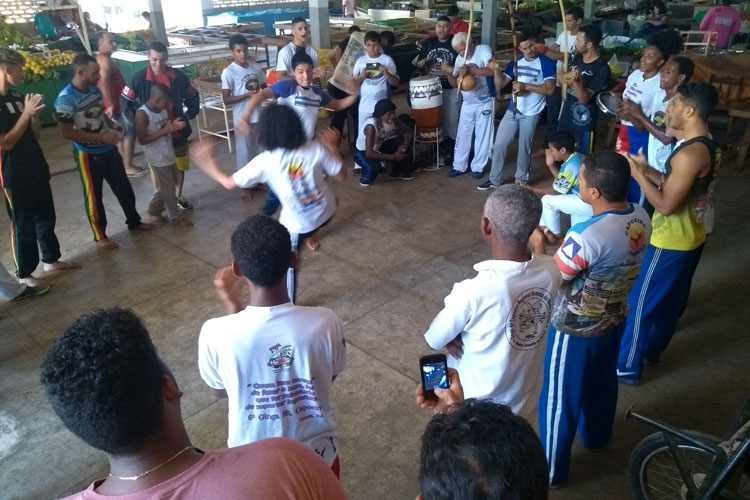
685,229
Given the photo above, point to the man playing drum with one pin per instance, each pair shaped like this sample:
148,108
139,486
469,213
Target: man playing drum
535,80
478,108
435,52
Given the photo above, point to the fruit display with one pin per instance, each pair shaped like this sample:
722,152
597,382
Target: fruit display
39,68
11,37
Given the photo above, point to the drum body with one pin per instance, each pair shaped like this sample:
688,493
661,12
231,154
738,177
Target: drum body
426,95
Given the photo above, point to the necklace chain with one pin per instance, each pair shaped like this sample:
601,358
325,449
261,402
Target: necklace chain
135,478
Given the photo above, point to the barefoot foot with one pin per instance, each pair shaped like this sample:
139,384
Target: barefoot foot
34,282
60,266
143,226
107,244
312,243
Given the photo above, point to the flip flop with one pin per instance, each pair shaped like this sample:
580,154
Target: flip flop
139,172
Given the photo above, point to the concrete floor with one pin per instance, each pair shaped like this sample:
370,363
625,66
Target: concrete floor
391,254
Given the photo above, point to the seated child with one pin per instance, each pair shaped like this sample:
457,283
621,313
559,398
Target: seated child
565,194
384,138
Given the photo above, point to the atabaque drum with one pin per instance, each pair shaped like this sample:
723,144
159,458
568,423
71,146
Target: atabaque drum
426,96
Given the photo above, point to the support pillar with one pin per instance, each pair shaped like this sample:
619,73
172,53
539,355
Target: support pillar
320,26
489,23
589,7
157,21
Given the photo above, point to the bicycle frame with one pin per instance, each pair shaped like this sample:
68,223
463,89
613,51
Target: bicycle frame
728,455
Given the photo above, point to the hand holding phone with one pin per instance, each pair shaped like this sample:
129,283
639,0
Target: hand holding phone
433,369
443,397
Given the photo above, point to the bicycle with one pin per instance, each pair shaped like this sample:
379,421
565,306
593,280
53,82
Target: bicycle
689,465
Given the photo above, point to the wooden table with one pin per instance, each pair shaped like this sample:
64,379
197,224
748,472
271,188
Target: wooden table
276,41
722,66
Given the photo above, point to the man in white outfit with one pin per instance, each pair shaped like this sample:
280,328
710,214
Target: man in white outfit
477,111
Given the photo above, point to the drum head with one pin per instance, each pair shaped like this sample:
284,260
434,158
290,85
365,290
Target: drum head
608,101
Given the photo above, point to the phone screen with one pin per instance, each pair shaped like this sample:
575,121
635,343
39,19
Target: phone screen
435,375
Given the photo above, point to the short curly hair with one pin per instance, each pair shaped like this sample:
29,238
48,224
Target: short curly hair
480,449
103,378
262,248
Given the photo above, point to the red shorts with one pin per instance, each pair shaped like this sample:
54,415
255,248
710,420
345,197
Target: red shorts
336,467
623,140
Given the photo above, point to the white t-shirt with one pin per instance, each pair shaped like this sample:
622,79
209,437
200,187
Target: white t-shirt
481,91
382,134
658,152
284,58
305,101
641,91
159,153
298,179
503,315
535,72
239,81
276,365
375,87
567,43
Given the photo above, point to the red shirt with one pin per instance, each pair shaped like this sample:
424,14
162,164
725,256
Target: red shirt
116,84
460,27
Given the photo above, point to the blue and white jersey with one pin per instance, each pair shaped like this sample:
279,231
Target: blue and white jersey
599,261
535,72
567,180
85,111
305,101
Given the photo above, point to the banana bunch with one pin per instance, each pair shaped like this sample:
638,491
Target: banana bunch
38,68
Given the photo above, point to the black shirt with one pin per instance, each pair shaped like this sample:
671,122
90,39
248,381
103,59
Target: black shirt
438,53
343,44
595,76
23,167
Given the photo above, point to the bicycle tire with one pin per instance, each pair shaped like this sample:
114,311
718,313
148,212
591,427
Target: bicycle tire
654,449
651,462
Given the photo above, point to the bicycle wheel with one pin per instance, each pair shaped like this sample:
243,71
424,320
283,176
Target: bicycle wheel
653,471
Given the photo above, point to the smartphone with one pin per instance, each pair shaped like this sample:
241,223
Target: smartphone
434,371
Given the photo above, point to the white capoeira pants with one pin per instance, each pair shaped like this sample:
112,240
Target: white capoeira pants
476,117
555,204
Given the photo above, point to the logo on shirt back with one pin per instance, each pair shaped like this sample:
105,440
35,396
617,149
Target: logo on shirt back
636,235
281,358
529,319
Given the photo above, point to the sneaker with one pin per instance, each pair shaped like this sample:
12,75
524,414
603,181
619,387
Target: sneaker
628,378
31,291
477,175
183,204
407,177
364,183
486,186
455,173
